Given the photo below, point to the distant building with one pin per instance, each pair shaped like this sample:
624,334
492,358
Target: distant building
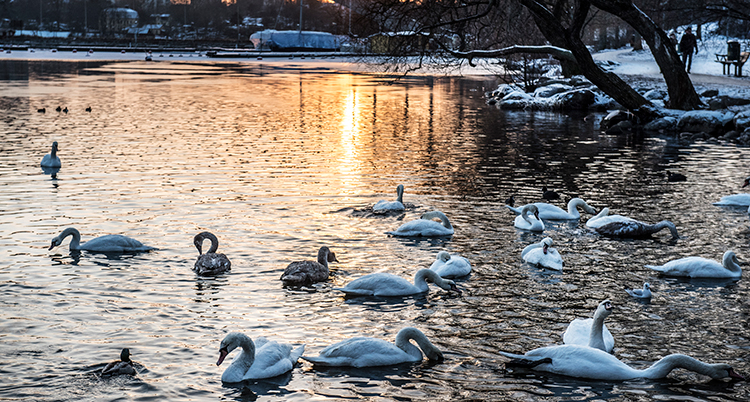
115,20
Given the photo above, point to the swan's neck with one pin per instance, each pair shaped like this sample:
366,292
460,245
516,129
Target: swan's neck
664,366
596,339
666,224
573,207
730,262
53,153
400,194
421,277
445,221
402,341
323,257
527,216
75,242
214,244
247,357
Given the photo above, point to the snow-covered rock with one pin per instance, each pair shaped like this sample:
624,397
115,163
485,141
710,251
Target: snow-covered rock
667,123
706,121
742,120
550,90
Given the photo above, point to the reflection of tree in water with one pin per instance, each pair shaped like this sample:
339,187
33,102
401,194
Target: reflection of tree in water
207,289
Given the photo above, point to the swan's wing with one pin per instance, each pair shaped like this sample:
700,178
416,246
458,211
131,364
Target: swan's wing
456,267
578,332
384,205
380,284
271,359
212,264
360,352
582,362
549,211
516,211
604,220
528,248
740,200
422,227
114,244
694,267
302,272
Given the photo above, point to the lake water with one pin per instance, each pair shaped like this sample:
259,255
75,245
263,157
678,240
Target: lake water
280,160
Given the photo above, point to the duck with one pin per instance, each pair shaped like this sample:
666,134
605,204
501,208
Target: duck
699,267
398,205
102,244
674,177
42,110
510,201
531,223
385,284
594,364
644,293
372,352
211,263
542,254
122,366
553,212
300,273
591,331
451,266
51,160
425,226
549,195
625,227
257,360
736,200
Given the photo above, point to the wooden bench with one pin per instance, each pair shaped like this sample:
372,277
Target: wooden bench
727,64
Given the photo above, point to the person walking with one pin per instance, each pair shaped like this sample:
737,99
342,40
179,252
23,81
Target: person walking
688,44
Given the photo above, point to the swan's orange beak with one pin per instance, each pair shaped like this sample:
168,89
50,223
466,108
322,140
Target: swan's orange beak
222,355
734,374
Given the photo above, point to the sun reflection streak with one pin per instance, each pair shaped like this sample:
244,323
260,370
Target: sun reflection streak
350,141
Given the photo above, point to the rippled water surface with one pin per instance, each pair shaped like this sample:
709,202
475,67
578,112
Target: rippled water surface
280,161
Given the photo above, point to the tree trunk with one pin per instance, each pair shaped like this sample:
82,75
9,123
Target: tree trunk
682,94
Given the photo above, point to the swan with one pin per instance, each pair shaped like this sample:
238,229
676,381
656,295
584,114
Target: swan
102,244
211,263
398,205
549,194
736,200
591,331
553,212
543,254
306,272
257,360
698,267
51,160
594,364
623,226
451,266
370,352
385,284
644,293
425,226
122,366
532,223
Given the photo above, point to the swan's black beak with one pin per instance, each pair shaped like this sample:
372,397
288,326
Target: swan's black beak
455,288
222,355
51,246
746,183
544,249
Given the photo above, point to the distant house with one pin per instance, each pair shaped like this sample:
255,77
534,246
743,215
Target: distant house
148,30
115,20
401,42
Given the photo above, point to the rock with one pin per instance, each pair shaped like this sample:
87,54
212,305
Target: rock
665,123
491,101
577,99
711,122
620,128
709,93
551,90
716,104
742,120
731,136
655,94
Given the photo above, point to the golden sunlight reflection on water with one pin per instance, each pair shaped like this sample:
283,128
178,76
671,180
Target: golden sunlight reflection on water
278,161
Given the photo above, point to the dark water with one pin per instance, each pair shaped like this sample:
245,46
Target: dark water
273,159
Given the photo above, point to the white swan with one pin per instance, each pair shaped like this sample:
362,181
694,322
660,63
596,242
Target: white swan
370,352
699,267
385,284
425,226
542,254
211,263
51,160
398,205
625,227
553,212
307,272
594,364
122,366
644,293
102,244
736,200
257,360
526,222
451,266
591,331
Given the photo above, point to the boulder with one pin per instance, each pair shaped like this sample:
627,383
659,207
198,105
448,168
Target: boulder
664,123
711,122
551,90
742,120
710,93
578,99
655,94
